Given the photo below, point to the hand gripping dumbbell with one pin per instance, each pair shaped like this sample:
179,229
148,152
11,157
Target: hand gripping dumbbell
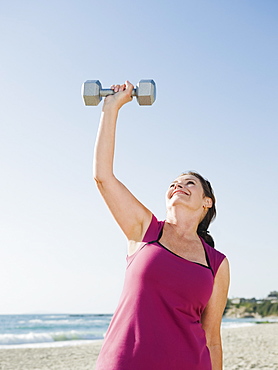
93,92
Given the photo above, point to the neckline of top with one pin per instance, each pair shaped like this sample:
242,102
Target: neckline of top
185,259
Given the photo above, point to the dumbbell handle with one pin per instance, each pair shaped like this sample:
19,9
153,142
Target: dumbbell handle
105,92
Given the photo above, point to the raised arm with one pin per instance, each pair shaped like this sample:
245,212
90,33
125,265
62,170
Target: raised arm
131,215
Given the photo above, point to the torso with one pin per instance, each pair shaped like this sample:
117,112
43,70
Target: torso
157,324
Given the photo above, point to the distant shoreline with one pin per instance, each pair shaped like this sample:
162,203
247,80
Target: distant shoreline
242,313
253,308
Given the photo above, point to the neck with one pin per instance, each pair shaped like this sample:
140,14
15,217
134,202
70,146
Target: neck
185,223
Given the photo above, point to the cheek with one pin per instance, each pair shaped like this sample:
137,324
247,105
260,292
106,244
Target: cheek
167,194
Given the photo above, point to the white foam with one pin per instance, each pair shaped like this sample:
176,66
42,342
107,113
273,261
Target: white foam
231,325
71,322
51,344
25,338
36,321
35,338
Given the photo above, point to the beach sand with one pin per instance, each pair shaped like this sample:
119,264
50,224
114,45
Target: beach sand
254,347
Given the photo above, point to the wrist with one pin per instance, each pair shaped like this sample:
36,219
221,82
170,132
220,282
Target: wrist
111,105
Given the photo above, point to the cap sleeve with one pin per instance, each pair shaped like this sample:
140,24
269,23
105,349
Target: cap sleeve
153,230
215,258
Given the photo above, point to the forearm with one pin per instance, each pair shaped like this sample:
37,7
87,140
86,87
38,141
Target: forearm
216,356
105,144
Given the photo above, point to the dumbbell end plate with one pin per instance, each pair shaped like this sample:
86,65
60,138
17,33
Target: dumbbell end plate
146,92
91,92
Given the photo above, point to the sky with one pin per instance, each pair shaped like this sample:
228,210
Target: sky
215,68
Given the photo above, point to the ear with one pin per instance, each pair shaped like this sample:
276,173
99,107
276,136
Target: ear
208,202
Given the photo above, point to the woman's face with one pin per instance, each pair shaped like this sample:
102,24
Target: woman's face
187,190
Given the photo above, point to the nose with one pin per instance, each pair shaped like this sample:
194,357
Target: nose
178,185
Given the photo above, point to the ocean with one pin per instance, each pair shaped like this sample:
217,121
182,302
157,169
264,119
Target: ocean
50,330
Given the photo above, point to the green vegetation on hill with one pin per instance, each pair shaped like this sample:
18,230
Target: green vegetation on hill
263,307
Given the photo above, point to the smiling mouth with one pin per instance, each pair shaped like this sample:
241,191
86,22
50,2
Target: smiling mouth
179,191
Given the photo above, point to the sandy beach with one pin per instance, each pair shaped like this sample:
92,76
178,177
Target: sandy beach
254,347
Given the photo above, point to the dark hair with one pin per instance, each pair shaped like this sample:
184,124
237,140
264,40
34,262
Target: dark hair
211,213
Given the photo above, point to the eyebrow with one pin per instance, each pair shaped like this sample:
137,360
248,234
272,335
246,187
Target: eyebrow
187,179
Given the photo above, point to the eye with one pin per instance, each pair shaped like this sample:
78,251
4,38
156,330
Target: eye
190,182
172,185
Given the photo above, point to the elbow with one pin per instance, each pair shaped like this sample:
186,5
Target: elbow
102,174
98,175
103,180
95,175
97,180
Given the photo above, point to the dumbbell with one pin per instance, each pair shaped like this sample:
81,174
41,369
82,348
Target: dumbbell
93,92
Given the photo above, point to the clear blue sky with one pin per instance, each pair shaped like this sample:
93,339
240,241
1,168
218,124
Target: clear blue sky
215,65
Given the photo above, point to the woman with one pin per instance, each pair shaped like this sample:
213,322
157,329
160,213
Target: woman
176,285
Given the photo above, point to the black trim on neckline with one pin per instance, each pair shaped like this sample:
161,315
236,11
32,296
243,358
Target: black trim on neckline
207,257
197,263
175,254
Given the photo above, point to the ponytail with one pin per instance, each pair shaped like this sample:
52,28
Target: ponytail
206,236
203,226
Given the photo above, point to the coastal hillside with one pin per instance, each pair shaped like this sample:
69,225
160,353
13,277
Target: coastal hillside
252,308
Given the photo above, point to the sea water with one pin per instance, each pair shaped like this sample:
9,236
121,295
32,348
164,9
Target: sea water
51,329
65,329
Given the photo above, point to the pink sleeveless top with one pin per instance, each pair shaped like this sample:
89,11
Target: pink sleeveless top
156,325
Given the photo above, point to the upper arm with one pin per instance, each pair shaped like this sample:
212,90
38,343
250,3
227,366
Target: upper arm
212,315
131,215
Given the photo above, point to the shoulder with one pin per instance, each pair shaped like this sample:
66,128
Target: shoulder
215,257
222,278
154,229
152,233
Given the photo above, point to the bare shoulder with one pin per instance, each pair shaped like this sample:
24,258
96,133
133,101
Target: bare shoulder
223,272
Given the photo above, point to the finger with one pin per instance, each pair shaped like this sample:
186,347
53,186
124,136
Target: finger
115,88
129,87
122,87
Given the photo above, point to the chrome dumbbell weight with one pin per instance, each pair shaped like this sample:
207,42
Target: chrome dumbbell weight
93,92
